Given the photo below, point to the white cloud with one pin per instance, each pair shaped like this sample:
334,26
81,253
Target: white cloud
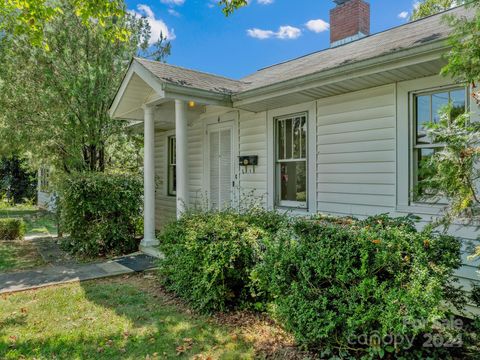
403,15
288,32
158,26
265,2
173,12
317,25
284,32
173,2
260,34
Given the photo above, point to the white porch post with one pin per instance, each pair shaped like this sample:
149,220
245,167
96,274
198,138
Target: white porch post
181,149
149,239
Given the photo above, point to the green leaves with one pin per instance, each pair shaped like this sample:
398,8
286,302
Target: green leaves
101,213
230,6
55,103
31,18
431,7
453,171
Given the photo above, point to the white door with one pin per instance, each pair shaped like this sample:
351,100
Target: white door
221,165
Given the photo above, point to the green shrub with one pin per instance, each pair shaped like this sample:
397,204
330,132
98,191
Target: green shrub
333,281
209,257
100,213
12,229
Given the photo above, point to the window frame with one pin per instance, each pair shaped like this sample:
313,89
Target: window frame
171,163
404,91
277,172
415,147
44,179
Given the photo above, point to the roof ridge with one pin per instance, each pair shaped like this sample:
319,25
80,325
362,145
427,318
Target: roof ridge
138,58
355,41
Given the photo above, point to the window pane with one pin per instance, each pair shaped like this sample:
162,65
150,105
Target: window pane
458,100
439,101
423,173
288,136
304,137
296,138
281,139
172,176
423,111
293,181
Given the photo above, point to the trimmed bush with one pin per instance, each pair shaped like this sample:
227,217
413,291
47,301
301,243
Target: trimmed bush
100,213
209,257
338,283
12,229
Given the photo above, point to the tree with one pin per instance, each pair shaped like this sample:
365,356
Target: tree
55,101
455,170
17,181
431,7
30,18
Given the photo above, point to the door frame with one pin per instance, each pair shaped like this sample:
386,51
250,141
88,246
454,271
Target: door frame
230,120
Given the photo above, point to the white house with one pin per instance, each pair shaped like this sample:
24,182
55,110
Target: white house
337,131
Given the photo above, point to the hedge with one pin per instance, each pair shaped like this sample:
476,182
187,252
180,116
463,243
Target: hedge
12,229
331,282
100,213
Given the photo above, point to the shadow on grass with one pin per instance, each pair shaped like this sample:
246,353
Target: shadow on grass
109,320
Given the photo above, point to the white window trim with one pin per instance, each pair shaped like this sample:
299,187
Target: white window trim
405,138
166,136
311,110
170,193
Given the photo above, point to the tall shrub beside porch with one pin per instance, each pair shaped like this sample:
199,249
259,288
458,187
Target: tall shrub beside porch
101,213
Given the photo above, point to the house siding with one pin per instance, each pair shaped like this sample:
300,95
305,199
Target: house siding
356,162
165,206
253,141
356,152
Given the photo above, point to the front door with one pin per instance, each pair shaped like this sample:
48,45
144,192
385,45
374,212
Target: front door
221,165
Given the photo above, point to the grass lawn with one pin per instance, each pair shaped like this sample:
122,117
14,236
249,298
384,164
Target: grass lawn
16,255
21,255
118,318
39,222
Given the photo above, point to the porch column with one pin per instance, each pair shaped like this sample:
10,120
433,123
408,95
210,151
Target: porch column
149,178
181,149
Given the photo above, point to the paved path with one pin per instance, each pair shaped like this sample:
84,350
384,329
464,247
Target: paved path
59,274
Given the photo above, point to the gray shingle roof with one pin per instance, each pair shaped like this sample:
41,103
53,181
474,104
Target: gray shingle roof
403,37
410,35
190,78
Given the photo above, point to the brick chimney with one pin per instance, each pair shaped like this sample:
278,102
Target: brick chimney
349,21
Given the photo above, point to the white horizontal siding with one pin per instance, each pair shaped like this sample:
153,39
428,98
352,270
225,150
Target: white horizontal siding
356,153
165,206
252,130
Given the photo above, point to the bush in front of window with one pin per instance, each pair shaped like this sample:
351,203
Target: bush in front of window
100,213
210,257
347,287
12,229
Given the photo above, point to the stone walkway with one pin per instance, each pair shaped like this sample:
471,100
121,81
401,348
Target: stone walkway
71,272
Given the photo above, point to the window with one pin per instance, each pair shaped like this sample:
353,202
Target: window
44,179
172,166
291,160
426,110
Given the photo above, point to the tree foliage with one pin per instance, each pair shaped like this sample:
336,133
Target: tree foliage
464,56
30,18
17,181
56,101
432,7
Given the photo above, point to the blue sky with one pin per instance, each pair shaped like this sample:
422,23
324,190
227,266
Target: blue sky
203,39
